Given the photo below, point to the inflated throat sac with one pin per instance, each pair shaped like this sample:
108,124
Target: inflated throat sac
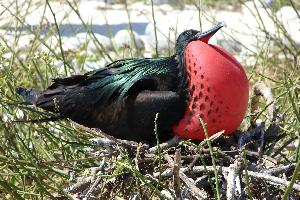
219,92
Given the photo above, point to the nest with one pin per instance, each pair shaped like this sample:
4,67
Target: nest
245,165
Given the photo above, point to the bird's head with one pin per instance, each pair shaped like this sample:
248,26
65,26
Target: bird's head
191,35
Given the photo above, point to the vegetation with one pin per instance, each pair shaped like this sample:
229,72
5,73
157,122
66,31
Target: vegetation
47,160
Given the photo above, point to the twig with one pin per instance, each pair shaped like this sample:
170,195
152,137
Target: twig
212,138
194,161
251,153
201,169
286,143
125,143
273,179
233,180
172,142
196,169
293,180
278,170
80,185
158,151
92,188
197,193
176,174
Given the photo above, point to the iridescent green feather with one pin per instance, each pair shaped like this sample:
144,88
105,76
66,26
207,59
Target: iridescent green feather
126,73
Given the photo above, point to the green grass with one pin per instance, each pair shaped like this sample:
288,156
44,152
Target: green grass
37,160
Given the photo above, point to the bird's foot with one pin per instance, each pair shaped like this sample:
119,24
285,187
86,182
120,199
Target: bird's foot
254,134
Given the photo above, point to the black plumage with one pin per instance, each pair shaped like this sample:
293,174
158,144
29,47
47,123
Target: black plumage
123,98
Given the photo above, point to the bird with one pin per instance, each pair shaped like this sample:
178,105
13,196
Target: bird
123,98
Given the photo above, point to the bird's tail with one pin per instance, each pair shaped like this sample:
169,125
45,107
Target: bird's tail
30,96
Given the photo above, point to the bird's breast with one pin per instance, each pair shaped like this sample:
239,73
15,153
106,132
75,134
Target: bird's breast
218,91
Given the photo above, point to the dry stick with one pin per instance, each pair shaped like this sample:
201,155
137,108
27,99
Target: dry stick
196,169
286,143
80,185
169,143
251,153
110,140
273,179
278,170
125,143
201,169
197,193
92,188
233,180
176,174
293,180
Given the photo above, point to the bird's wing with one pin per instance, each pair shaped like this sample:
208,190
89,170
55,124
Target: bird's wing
131,118
107,84
114,81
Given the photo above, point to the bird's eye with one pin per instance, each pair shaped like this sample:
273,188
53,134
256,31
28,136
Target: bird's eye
188,32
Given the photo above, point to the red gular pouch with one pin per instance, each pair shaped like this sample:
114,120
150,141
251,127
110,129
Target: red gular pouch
219,91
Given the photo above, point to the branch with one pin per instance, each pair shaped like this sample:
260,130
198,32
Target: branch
81,185
233,180
201,169
111,140
176,174
197,193
169,143
273,179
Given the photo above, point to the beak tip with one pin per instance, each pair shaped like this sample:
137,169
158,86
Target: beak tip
222,24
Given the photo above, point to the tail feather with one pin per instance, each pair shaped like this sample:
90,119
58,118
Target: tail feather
46,99
30,95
